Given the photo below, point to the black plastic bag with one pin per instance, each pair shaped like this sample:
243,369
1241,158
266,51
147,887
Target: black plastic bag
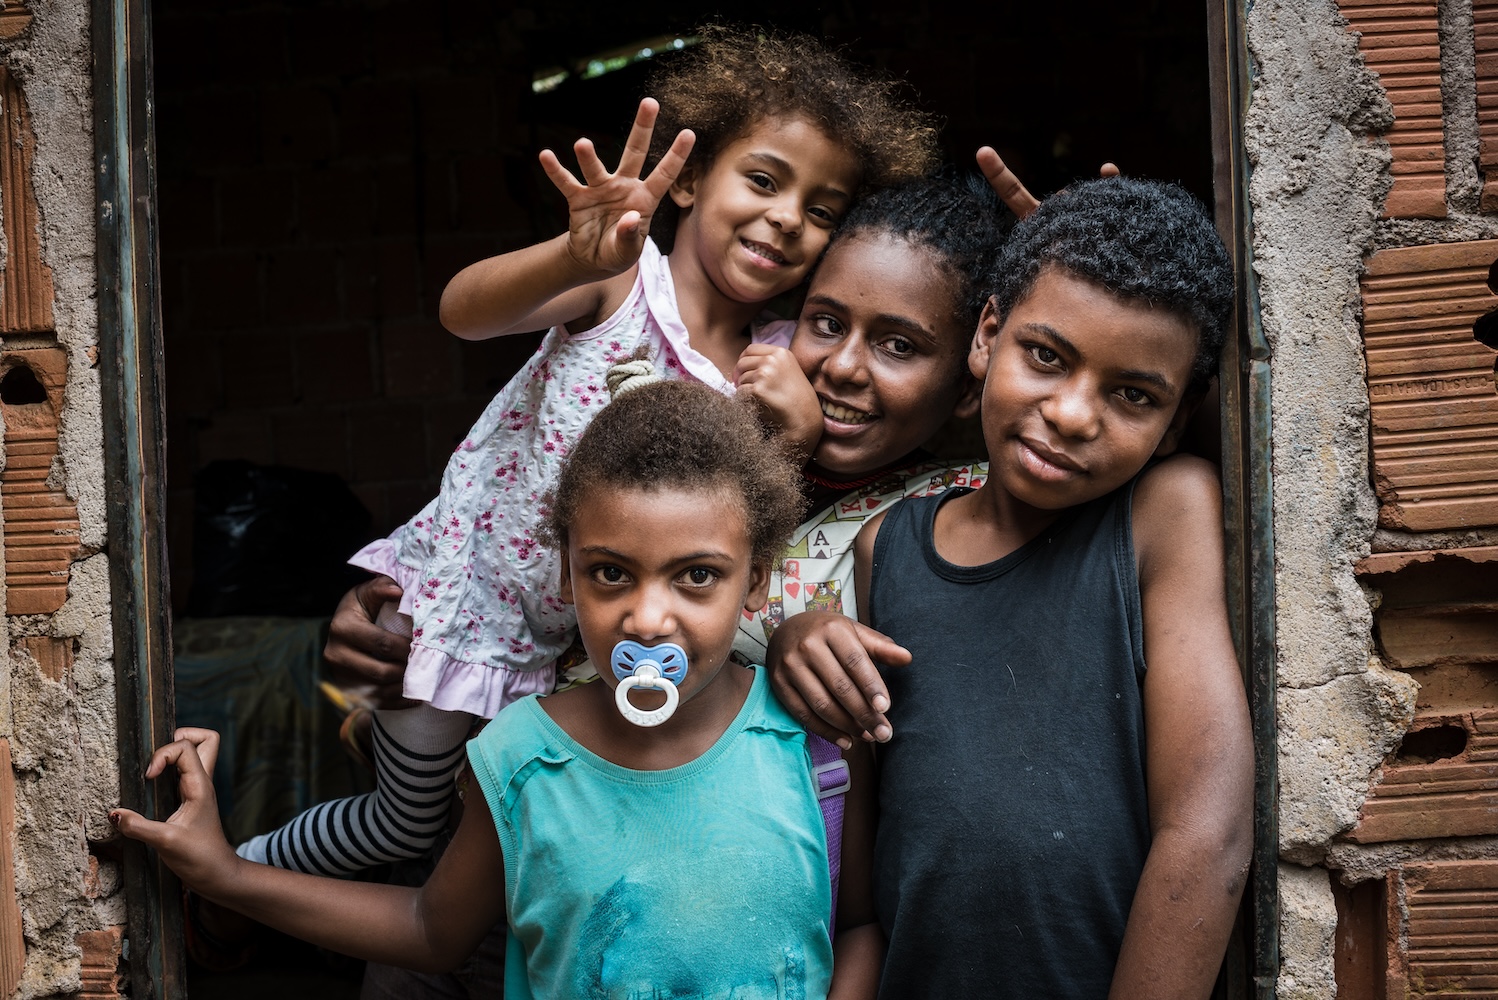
272,540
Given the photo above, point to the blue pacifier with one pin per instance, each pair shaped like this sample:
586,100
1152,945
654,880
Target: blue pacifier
658,668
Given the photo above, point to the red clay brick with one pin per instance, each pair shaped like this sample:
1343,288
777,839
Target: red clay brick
101,962
258,370
334,366
419,359
313,438
302,288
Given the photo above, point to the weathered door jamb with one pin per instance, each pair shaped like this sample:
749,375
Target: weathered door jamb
130,365
1247,483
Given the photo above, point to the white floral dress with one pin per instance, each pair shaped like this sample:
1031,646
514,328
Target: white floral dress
481,590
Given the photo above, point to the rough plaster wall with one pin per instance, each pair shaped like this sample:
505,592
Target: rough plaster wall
1317,188
64,740
1308,924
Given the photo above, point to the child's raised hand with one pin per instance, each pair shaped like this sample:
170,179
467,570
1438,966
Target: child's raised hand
191,841
822,668
1010,189
609,213
771,377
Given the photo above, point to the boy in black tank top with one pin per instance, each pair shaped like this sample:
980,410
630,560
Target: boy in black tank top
1066,775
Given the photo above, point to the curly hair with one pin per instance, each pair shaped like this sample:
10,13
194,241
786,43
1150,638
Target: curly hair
678,434
957,218
736,77
1140,239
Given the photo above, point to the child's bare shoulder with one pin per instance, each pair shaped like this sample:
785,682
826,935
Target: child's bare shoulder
1177,515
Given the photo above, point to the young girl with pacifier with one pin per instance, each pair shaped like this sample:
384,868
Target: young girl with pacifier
784,135
638,842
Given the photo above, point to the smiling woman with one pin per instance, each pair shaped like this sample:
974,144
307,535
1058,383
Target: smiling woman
884,331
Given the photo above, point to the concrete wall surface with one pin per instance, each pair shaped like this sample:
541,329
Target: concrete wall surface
1369,241
57,708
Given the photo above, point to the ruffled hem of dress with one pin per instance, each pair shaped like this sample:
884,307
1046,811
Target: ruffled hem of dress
480,689
379,556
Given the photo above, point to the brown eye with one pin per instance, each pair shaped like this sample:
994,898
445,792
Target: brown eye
826,325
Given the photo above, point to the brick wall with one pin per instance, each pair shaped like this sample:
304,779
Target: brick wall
326,167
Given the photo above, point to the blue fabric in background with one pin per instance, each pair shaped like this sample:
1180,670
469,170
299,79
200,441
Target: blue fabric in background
255,680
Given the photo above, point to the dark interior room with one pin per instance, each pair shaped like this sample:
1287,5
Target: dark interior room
326,166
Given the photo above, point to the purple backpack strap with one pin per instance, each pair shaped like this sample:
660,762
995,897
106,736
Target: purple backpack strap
833,779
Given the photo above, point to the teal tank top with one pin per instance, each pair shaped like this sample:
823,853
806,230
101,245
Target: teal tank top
706,880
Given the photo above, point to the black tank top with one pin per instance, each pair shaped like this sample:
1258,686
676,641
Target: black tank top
1013,821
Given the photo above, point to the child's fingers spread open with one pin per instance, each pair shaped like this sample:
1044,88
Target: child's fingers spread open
666,171
560,176
637,146
588,164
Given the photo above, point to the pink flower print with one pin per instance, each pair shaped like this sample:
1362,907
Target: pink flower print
614,345
549,447
416,633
